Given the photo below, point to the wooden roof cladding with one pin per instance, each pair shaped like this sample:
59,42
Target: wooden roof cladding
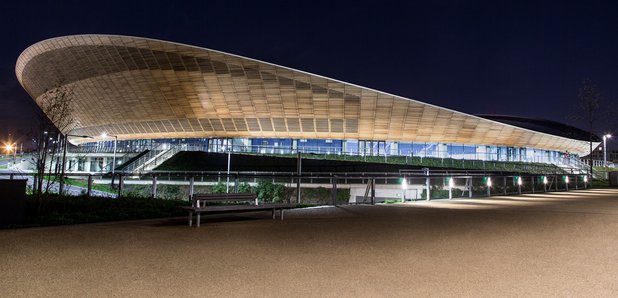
143,88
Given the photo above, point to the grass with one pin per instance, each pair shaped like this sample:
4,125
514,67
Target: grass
203,161
84,184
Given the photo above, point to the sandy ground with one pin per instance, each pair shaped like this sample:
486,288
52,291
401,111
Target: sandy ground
556,244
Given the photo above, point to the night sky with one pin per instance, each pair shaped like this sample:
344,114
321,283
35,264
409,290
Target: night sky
523,58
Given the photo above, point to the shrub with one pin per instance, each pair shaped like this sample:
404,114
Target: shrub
269,192
244,188
219,188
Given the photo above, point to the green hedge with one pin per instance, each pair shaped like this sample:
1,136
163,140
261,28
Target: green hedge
59,210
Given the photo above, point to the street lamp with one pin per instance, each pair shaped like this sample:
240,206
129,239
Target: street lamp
605,137
10,147
404,187
105,135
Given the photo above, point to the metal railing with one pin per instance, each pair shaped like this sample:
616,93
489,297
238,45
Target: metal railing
328,188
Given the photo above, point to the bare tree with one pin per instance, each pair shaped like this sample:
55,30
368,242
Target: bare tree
587,111
56,118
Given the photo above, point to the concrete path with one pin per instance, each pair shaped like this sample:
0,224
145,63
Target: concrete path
550,245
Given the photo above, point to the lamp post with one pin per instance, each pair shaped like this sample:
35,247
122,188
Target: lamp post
605,137
229,159
404,187
10,147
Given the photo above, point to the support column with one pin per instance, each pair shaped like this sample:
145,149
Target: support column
87,163
373,191
469,182
504,185
556,181
120,184
334,192
89,185
154,187
427,185
298,173
191,187
532,181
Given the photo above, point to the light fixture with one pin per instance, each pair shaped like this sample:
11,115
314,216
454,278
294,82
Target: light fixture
404,184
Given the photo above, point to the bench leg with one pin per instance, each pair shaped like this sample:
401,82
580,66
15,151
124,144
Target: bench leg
190,218
198,219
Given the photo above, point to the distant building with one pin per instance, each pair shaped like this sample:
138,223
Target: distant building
149,92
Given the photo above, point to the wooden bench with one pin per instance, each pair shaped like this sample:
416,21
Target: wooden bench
199,205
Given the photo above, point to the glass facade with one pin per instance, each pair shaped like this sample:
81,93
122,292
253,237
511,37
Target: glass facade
343,147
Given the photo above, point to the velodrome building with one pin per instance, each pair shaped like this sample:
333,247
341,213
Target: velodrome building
145,91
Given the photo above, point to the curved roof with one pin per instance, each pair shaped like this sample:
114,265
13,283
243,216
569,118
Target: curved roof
138,88
546,126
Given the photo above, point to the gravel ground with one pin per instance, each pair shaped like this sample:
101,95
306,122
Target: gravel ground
555,244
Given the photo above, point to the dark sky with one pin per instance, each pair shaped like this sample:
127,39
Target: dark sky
524,58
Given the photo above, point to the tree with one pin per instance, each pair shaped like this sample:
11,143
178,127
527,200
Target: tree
587,111
56,118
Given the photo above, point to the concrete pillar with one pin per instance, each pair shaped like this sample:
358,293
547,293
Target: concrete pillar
89,185
191,187
504,185
120,184
87,163
373,191
469,182
334,192
154,187
556,181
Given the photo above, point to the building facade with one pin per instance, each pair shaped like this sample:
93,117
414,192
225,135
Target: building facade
145,92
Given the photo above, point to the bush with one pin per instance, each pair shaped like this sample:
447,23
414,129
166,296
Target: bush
219,188
57,210
244,188
269,192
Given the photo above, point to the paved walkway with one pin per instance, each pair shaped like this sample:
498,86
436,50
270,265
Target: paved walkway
555,244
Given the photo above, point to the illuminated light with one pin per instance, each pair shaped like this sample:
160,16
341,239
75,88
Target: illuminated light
8,147
404,184
488,181
585,178
544,179
451,182
104,135
519,181
566,179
